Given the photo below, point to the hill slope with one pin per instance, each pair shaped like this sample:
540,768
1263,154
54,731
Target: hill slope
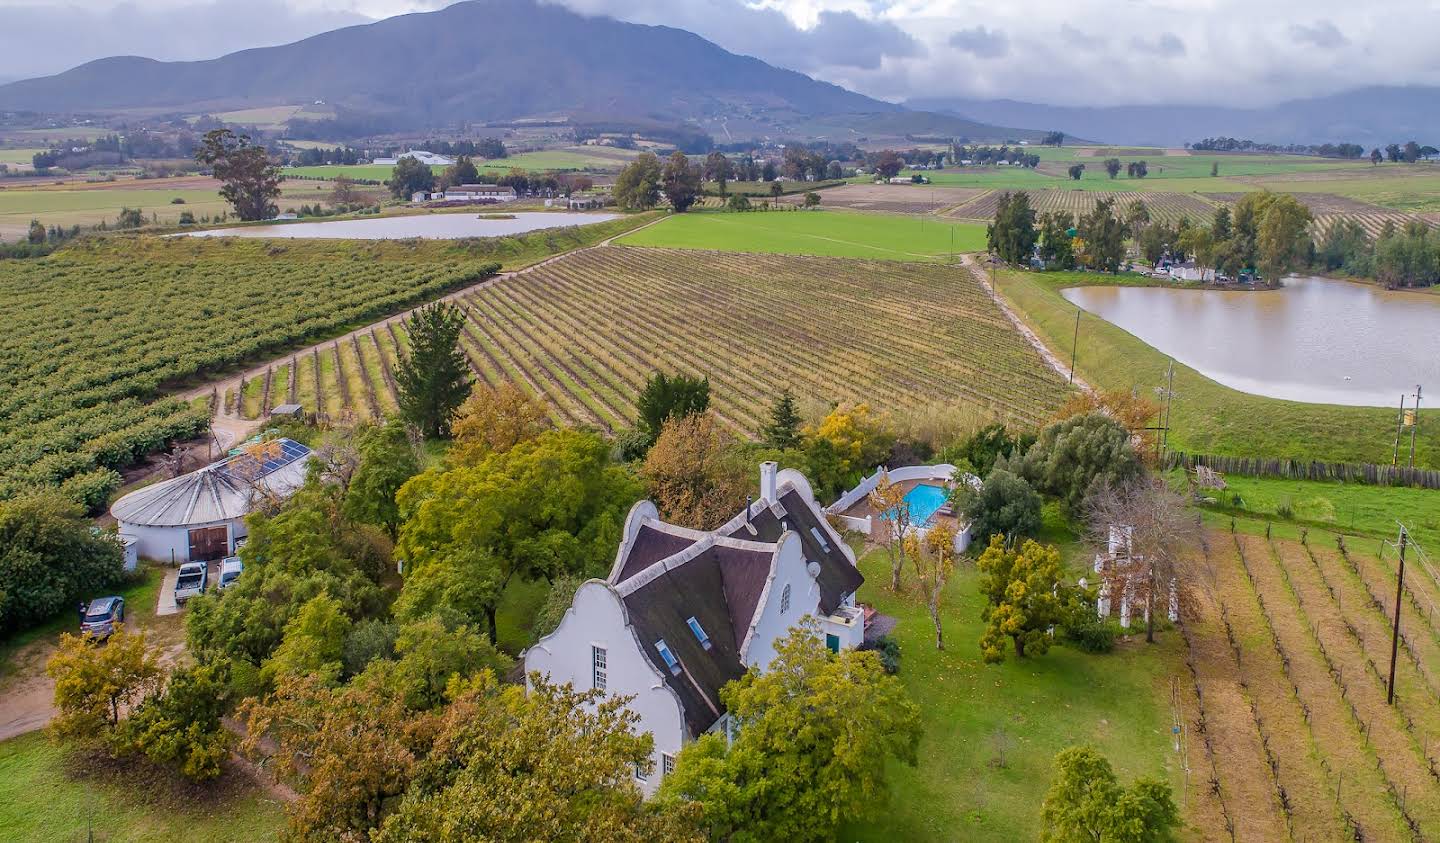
1372,116
479,60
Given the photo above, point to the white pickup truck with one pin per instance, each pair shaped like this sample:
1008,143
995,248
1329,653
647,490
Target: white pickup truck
192,580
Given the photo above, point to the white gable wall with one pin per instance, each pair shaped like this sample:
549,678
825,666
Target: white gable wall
770,624
597,618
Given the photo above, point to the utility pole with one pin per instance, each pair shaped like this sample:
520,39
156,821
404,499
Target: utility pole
1399,426
1395,634
1074,345
1169,394
1414,425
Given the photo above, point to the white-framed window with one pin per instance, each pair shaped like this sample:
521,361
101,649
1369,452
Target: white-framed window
699,632
597,665
668,657
640,774
667,764
785,600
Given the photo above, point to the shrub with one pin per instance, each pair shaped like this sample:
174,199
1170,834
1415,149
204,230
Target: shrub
889,651
1089,633
1005,505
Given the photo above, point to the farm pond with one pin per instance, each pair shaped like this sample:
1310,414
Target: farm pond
431,226
1317,340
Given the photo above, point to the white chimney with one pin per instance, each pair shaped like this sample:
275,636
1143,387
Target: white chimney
767,481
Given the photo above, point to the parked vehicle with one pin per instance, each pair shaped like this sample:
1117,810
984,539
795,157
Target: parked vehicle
194,576
101,617
230,568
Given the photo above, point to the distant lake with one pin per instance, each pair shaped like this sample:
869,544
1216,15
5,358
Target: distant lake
432,226
1315,339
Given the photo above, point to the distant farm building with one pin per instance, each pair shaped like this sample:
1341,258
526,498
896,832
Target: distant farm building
419,155
478,193
198,516
589,201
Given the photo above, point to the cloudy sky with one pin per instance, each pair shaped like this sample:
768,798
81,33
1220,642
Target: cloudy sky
1081,52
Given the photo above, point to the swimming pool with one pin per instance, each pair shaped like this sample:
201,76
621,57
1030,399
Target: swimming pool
924,501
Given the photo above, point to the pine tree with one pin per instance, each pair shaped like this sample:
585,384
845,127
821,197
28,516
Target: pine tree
434,379
783,431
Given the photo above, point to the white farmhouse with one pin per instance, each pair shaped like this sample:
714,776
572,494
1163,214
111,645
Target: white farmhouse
198,516
683,611
479,193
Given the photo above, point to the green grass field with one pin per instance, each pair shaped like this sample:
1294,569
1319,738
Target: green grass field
991,731
1207,417
570,158
1347,507
45,798
89,205
825,233
18,156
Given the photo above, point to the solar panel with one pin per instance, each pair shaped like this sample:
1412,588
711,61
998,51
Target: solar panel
269,457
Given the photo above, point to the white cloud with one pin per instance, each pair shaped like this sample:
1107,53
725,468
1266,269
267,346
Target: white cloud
1236,52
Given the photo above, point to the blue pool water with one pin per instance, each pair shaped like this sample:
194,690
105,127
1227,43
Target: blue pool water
924,500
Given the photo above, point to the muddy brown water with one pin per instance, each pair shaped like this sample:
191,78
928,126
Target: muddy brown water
1318,340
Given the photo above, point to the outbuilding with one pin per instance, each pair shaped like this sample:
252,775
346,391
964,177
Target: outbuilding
199,516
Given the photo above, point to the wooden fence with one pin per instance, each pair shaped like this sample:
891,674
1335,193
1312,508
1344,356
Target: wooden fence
1367,473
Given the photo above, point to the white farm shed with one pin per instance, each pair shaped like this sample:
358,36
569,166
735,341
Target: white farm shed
198,516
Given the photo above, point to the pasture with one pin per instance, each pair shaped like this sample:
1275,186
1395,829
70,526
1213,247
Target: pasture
90,204
583,334
1207,417
828,233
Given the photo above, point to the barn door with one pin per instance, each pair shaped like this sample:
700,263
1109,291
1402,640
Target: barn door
207,543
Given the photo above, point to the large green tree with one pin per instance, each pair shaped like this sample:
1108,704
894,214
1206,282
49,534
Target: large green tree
680,180
816,732
1012,235
638,185
1004,505
410,177
668,397
306,549
783,430
463,171
719,170
434,378
249,180
1104,236
1086,802
50,558
551,764
1025,596
1074,455
181,725
387,460
547,507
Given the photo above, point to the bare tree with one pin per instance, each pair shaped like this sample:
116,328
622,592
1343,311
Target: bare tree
1158,546
888,504
933,560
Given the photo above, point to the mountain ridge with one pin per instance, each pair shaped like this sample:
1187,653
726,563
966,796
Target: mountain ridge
1372,115
427,66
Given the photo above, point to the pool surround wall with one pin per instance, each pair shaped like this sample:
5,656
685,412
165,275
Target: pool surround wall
853,510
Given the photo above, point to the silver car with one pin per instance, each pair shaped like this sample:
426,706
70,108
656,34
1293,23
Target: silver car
101,616
194,576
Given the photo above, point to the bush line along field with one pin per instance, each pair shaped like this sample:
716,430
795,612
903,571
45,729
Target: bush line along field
105,327
830,233
1207,418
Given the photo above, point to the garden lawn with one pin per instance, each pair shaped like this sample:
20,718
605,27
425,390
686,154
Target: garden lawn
825,233
41,801
1207,418
992,731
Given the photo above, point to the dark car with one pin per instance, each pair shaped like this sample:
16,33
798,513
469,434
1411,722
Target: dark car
102,615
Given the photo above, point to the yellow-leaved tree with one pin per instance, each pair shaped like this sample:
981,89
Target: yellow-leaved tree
493,420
